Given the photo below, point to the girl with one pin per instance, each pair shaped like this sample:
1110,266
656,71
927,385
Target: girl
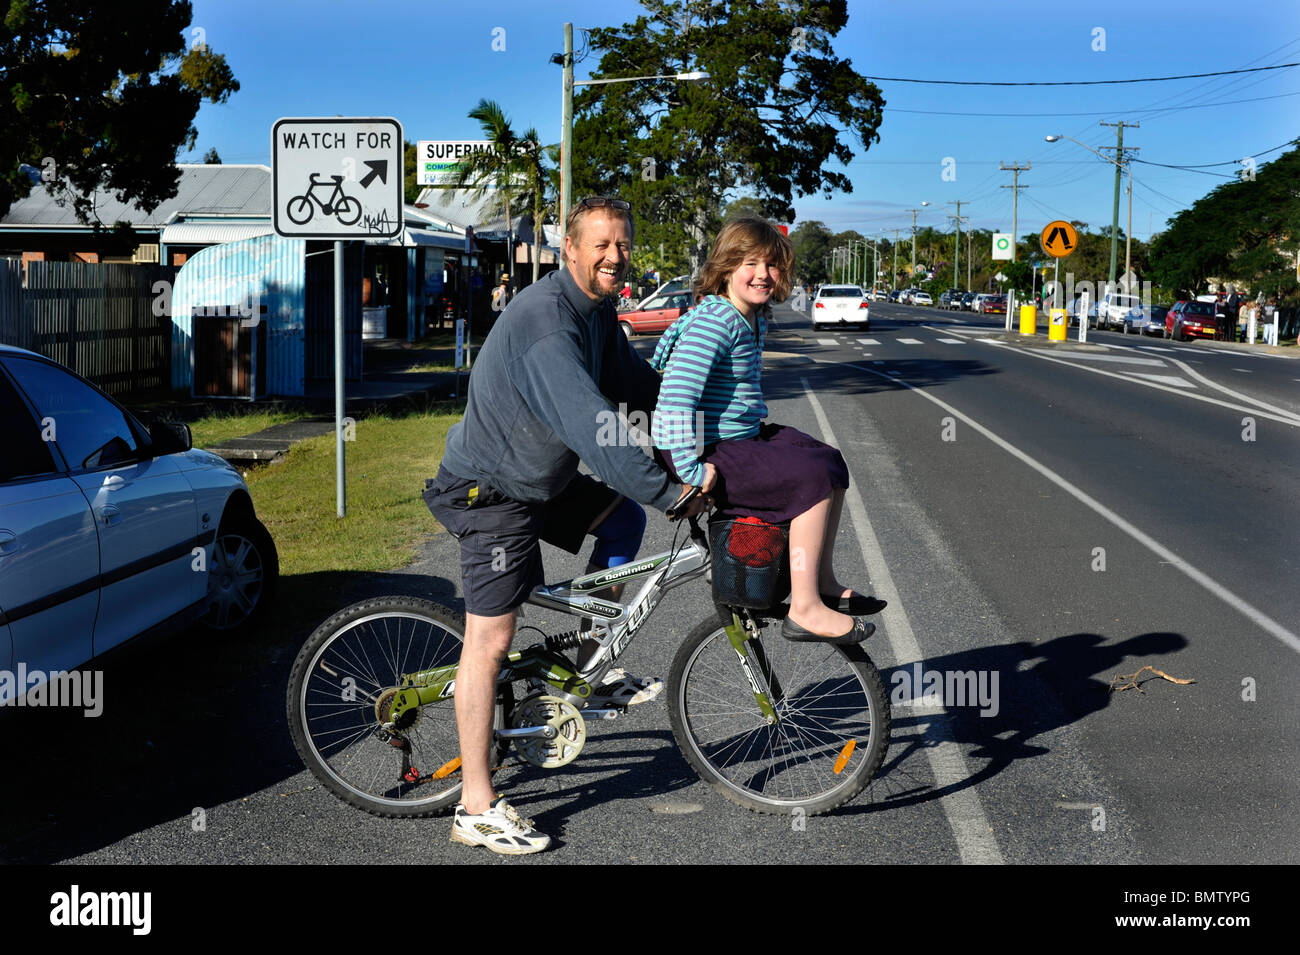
711,359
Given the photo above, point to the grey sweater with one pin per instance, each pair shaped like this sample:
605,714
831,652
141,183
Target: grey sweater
543,394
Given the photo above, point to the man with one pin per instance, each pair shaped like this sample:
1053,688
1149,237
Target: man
554,367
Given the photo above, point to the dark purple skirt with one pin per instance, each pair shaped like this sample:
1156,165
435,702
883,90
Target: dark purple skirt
776,475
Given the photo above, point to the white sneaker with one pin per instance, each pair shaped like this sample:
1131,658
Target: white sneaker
620,688
501,829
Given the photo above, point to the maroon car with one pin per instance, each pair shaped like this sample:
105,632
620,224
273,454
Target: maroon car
655,313
1191,320
994,305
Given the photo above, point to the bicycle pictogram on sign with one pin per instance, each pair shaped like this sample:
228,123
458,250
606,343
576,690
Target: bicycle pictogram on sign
337,203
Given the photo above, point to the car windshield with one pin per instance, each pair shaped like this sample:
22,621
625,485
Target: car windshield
1200,308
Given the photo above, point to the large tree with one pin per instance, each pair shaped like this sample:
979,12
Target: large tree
1245,231
97,95
778,111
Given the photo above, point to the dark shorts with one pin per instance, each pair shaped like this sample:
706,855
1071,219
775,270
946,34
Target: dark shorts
500,554
775,475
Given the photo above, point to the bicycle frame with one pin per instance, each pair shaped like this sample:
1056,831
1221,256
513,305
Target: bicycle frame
616,624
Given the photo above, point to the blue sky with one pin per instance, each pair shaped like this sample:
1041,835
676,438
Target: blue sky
428,64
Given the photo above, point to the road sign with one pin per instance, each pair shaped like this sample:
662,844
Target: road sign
1059,239
337,177
1001,245
1000,277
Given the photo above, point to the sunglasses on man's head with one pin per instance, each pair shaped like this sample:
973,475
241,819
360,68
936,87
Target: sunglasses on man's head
599,202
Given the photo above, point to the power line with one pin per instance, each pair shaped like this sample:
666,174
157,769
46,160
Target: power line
1097,112
1208,165
1148,79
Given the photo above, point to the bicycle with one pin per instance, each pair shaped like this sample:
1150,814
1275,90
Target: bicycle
347,209
774,726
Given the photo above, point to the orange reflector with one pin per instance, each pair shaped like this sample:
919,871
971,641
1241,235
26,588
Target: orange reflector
845,753
448,768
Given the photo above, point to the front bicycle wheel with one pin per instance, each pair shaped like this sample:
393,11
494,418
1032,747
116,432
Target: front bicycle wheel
341,683
299,210
830,737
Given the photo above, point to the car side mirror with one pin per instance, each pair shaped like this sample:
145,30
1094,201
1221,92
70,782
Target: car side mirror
169,437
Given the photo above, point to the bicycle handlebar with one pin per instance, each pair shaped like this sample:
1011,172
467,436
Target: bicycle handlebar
679,507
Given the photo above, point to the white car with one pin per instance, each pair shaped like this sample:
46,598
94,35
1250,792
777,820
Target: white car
841,305
922,298
110,529
1114,306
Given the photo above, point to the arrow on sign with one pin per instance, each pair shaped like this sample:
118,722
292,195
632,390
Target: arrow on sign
1058,232
378,167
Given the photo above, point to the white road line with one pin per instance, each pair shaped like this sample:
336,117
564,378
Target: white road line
1156,348
1244,371
1174,380
953,341
975,841
1284,417
1197,376
828,341
868,341
909,341
1117,359
1250,612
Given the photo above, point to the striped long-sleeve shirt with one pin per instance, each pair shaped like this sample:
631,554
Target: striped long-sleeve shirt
712,365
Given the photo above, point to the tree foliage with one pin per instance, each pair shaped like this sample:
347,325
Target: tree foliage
773,117
96,96
1244,231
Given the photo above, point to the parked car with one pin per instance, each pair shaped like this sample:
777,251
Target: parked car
841,305
110,529
921,298
979,301
1191,320
993,305
1072,312
967,301
1113,306
1146,321
652,315
951,298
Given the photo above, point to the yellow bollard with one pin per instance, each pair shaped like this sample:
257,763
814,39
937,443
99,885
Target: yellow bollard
1028,319
1056,328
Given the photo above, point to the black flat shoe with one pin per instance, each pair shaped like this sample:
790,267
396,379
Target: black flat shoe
856,634
855,604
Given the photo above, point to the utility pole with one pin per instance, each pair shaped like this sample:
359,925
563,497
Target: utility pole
1015,169
968,259
1119,169
893,279
956,262
914,212
566,138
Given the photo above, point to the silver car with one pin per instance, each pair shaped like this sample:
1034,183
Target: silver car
110,529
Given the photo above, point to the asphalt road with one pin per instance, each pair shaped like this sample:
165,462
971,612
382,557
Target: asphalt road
1052,517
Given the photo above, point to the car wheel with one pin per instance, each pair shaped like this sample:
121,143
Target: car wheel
242,575
626,328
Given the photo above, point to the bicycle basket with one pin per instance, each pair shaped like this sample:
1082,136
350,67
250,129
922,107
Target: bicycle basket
750,564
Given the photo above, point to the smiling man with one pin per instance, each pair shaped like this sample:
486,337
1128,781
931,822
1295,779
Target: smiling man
554,367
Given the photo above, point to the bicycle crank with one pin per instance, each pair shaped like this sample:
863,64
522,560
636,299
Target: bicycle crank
564,731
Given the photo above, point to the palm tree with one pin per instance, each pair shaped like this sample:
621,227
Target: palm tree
515,169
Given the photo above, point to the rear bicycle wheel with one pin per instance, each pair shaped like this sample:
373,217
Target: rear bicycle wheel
829,741
340,685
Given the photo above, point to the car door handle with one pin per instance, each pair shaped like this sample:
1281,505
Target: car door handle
8,542
110,514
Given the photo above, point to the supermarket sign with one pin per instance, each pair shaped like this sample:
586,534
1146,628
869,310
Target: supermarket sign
440,162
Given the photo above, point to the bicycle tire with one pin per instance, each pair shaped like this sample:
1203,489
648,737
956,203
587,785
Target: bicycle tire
832,695
338,738
351,217
299,210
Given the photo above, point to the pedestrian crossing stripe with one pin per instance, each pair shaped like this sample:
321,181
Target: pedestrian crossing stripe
909,341
953,341
828,341
868,341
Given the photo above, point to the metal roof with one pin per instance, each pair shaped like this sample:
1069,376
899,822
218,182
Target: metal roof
242,190
209,232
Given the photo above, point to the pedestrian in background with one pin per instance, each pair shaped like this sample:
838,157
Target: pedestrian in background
1231,308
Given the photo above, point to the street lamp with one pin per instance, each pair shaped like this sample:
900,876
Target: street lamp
566,120
1128,232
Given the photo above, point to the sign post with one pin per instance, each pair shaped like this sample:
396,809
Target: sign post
337,178
1058,240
